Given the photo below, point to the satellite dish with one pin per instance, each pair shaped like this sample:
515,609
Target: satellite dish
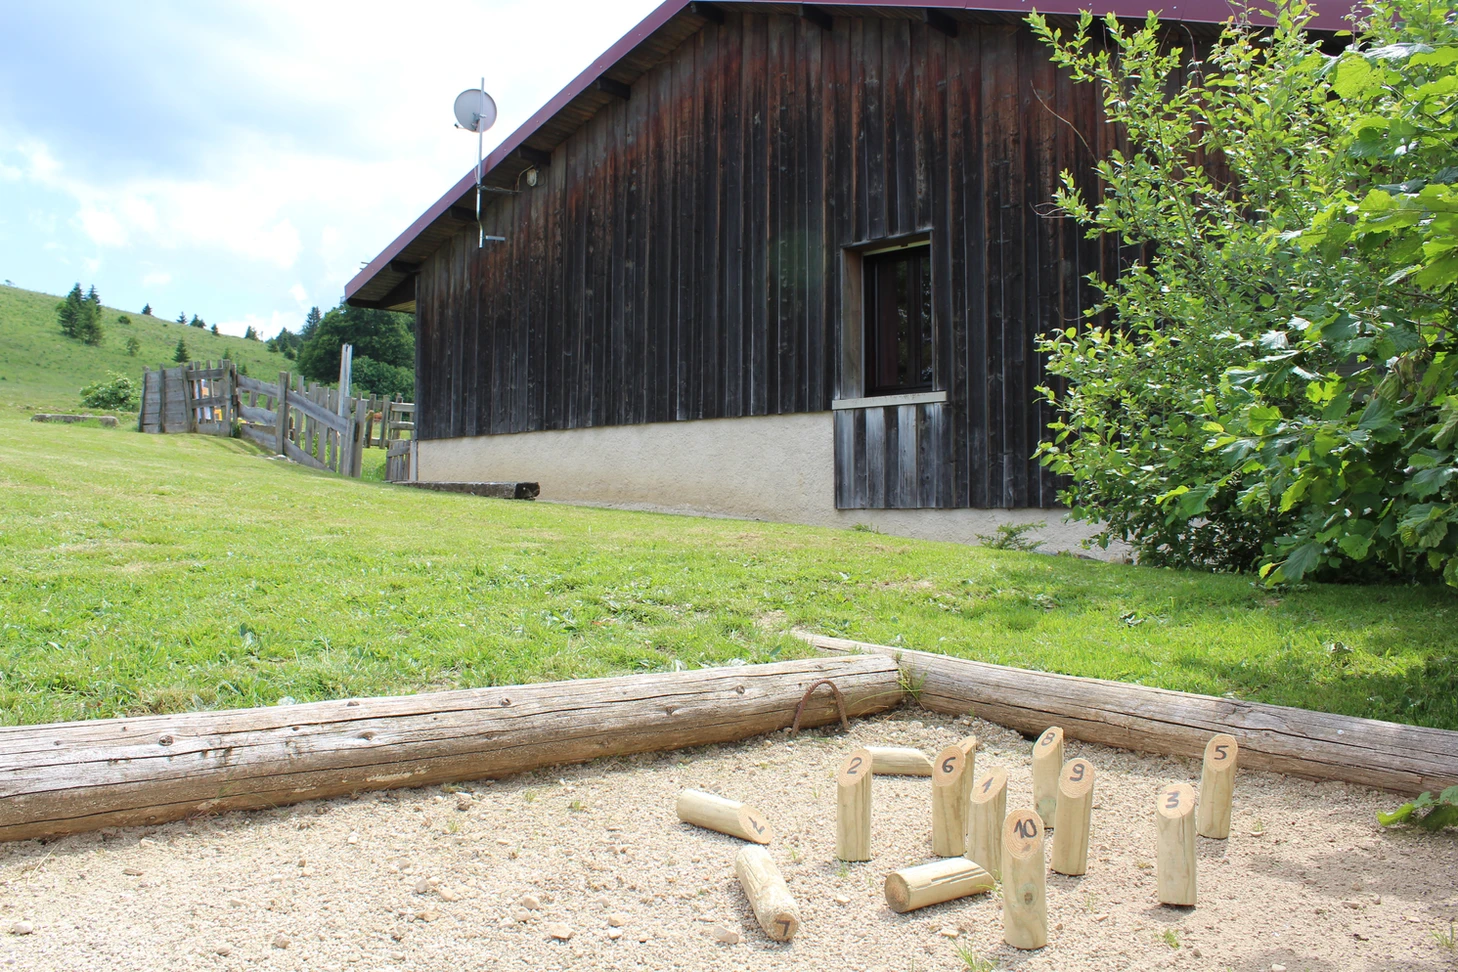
475,111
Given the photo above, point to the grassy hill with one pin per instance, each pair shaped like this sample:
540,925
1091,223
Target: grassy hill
41,369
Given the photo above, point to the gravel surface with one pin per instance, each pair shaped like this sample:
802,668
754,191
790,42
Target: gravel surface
587,867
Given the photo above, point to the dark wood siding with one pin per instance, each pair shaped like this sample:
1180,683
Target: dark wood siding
681,256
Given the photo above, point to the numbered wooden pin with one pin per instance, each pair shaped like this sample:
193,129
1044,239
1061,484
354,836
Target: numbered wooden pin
1047,764
899,761
928,884
1024,881
968,745
951,792
713,812
1217,786
985,817
1075,808
1174,861
774,907
853,807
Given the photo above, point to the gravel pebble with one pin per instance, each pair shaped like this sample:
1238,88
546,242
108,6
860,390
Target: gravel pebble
722,935
25,927
528,901
555,929
281,940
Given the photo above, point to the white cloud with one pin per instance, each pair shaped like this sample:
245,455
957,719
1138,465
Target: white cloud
157,278
297,292
102,227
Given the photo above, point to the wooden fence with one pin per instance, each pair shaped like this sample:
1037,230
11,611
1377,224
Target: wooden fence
309,424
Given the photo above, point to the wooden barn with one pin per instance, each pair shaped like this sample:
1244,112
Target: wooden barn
784,261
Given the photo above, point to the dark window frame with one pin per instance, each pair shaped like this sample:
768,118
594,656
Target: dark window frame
899,321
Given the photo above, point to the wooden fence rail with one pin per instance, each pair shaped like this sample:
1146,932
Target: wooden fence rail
309,424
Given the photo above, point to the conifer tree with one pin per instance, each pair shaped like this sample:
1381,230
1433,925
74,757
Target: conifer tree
197,322
182,317
311,322
70,312
147,309
181,354
215,329
250,334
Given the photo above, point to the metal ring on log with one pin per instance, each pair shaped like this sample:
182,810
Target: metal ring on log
805,700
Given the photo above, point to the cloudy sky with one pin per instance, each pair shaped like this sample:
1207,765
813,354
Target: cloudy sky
242,160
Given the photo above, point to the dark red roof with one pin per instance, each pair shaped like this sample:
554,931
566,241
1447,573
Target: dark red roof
373,282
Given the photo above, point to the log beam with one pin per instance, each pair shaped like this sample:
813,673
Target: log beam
1276,738
80,776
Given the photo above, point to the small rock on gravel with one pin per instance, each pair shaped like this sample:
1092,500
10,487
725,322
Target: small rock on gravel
615,933
617,920
22,928
530,902
224,950
132,871
950,932
559,930
722,935
280,940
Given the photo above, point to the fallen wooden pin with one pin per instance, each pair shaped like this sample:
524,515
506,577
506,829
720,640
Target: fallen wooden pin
928,884
1317,745
1174,861
987,812
899,761
1217,787
1024,882
1047,763
725,816
1075,809
774,907
853,807
80,776
952,775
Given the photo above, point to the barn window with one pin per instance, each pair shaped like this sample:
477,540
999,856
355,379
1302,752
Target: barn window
898,321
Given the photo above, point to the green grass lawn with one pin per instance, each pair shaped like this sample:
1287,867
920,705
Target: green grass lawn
42,370
162,573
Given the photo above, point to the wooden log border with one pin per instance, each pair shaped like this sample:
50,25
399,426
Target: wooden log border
80,776
1281,739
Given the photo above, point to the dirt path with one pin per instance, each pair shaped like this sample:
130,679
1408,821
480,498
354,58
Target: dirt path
474,879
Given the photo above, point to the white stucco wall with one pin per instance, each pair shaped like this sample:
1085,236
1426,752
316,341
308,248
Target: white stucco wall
777,467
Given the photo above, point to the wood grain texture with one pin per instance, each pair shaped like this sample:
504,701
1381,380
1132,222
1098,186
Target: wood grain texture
682,259
853,790
80,776
769,897
934,882
1316,745
985,816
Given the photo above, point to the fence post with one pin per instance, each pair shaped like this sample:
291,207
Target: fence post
281,413
356,450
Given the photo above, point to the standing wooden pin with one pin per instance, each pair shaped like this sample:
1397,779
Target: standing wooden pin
1174,820
1075,806
774,907
853,807
985,819
1217,786
1047,763
1024,881
951,791
726,816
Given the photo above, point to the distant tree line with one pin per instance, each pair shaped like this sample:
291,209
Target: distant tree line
384,348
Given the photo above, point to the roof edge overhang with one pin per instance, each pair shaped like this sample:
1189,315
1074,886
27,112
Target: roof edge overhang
392,280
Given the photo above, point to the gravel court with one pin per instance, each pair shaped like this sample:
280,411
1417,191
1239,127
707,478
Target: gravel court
482,876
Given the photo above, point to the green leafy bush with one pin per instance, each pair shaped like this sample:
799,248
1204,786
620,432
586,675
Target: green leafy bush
1273,387
117,394
1427,811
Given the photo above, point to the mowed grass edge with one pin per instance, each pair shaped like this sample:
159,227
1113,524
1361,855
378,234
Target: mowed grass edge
145,574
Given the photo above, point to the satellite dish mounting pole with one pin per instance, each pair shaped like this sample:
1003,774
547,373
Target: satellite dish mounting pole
480,146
